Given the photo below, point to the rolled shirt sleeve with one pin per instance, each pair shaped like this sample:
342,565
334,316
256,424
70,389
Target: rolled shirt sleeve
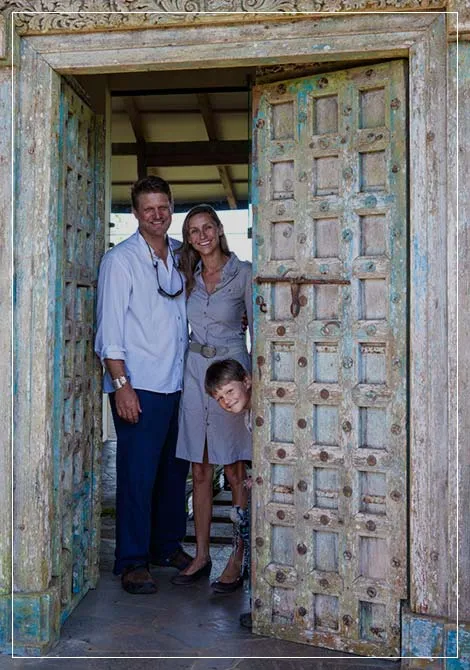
114,290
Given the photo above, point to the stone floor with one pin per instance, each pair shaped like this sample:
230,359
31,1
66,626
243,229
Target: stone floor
176,628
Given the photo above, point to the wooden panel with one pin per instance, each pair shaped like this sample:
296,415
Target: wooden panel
6,268
77,373
463,483
330,403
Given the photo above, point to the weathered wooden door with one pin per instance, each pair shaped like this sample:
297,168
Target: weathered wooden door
77,387
330,359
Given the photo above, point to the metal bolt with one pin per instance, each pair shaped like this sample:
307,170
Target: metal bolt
370,525
258,603
371,330
347,491
303,300
324,583
395,168
347,235
281,514
324,520
395,562
371,460
346,426
302,423
306,516
324,456
348,362
371,592
302,238
347,109
259,182
260,123
324,394
302,362
281,453
434,556
347,620
395,495
259,480
280,392
370,266
259,542
301,549
323,82
396,429
302,486
347,555
395,104
280,576
281,331
370,201
259,421
302,611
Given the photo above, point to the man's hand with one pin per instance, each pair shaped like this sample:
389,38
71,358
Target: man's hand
127,404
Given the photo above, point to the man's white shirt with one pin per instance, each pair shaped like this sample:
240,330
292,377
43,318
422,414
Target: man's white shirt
137,324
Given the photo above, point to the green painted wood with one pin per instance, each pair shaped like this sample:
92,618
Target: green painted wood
330,414
77,409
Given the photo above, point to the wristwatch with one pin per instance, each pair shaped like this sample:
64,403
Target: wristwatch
118,383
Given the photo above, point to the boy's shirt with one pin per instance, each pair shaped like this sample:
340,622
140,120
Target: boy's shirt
247,414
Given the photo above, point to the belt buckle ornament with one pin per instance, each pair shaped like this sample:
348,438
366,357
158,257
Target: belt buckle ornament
208,351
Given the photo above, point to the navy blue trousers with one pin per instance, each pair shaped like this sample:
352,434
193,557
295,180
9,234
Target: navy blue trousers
151,482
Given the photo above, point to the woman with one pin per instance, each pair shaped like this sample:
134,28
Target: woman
218,288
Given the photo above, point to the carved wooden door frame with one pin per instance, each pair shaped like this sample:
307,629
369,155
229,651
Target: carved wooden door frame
419,37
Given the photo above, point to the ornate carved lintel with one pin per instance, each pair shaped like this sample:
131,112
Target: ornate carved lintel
62,16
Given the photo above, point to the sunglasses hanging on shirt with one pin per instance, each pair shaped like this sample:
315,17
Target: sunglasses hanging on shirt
160,289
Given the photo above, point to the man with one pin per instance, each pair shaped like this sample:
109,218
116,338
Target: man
141,340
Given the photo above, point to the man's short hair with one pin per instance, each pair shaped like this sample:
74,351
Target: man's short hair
150,184
223,372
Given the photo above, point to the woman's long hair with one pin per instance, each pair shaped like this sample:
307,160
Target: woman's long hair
188,256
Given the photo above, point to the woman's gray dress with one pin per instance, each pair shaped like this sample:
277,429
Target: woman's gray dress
215,319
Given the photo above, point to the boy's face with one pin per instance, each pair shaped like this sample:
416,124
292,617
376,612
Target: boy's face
234,397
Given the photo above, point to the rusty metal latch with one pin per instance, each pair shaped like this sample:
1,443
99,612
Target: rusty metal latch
295,283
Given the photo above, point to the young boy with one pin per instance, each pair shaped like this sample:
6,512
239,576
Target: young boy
230,385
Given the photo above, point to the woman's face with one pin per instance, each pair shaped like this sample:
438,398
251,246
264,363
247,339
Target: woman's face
204,234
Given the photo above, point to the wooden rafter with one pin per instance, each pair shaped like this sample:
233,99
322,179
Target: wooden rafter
211,128
178,154
137,126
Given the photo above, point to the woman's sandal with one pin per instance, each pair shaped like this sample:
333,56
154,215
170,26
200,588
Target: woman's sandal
227,587
183,580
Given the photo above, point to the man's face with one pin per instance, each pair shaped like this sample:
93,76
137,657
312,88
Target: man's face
234,397
153,213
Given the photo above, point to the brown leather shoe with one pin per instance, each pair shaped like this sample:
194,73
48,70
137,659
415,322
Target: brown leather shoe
138,580
179,559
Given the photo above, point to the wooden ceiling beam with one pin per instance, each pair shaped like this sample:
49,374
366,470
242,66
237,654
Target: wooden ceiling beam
137,126
181,154
211,128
